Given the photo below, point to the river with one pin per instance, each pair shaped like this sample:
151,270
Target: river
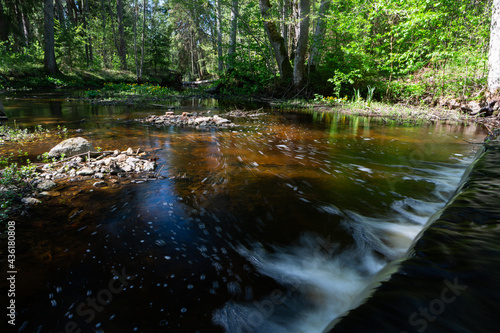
276,225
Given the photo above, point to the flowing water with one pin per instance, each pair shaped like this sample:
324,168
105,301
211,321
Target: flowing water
274,226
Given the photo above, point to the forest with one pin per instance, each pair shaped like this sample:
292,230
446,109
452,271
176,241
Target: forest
416,51
250,166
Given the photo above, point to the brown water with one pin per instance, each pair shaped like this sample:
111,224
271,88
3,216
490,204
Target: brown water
273,226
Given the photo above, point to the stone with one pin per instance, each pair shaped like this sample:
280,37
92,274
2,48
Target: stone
30,201
219,120
114,168
99,175
149,166
200,120
121,158
46,185
130,152
132,161
475,107
127,168
85,172
70,147
100,183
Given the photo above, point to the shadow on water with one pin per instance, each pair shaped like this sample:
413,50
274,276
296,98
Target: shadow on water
275,225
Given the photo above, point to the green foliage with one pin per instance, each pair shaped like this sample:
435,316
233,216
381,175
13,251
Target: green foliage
409,50
14,181
390,41
339,78
329,100
21,135
117,90
369,96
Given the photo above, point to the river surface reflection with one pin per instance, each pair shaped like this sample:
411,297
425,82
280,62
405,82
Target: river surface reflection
276,225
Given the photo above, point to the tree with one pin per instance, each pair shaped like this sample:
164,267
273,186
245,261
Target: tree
233,34
218,21
48,23
494,54
143,37
122,51
302,41
319,35
89,51
277,42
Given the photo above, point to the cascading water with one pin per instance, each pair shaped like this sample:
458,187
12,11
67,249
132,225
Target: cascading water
319,278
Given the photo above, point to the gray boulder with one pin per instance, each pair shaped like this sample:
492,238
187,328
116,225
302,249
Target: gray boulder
70,147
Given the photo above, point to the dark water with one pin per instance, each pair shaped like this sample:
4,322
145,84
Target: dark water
449,280
276,225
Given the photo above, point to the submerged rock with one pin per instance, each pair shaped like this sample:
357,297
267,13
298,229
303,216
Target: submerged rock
70,147
50,194
100,183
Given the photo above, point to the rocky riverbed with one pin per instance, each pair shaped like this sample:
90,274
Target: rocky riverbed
102,169
188,119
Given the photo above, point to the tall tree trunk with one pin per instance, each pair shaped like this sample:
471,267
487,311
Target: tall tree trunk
302,39
494,54
141,66
219,37
60,14
121,35
277,42
104,32
319,35
233,35
88,46
284,12
193,70
113,27
71,8
48,25
136,17
24,25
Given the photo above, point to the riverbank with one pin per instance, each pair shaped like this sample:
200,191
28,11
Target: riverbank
112,87
27,79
